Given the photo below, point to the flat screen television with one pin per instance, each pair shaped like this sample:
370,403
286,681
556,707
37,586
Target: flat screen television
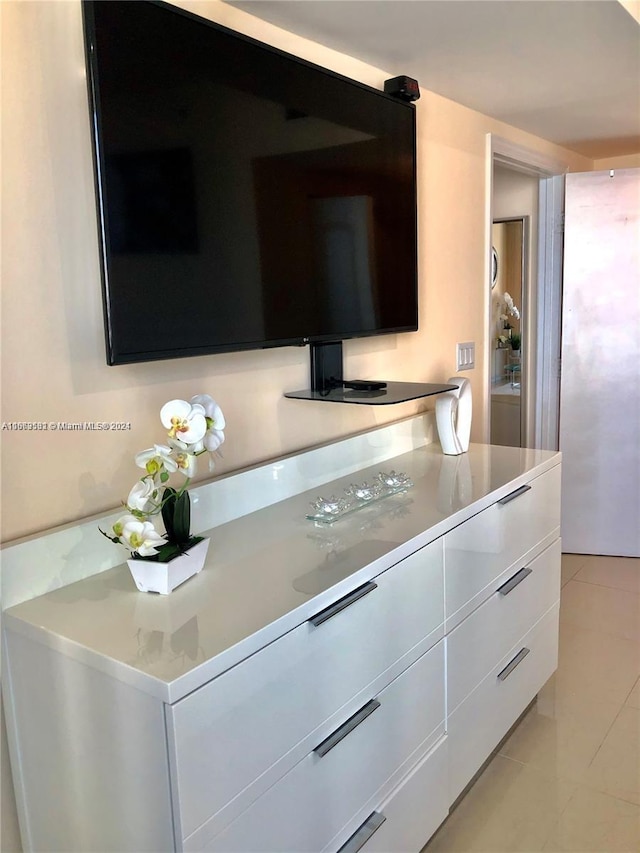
246,198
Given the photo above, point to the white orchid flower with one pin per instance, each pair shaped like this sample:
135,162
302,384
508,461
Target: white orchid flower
142,537
213,439
511,308
186,464
212,410
184,457
142,496
156,459
118,527
215,421
184,421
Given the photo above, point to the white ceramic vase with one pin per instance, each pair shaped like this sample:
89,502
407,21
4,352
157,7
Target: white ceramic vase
453,417
150,576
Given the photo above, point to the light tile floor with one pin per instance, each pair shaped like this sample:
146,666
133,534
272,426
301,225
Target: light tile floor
568,777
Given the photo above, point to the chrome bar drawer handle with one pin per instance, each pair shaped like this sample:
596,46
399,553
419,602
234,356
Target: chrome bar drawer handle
506,672
347,727
513,582
343,603
363,834
513,495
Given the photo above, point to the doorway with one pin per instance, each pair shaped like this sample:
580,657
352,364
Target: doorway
525,185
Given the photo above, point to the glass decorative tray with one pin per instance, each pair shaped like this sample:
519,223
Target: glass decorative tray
328,510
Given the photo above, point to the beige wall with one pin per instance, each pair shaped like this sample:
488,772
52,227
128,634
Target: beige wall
53,364
626,161
499,243
507,240
53,351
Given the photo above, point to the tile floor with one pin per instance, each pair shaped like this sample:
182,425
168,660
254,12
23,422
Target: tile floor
568,777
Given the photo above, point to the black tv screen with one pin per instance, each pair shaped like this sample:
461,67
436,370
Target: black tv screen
246,198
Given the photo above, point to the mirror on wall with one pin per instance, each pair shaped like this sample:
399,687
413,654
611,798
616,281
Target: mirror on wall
508,287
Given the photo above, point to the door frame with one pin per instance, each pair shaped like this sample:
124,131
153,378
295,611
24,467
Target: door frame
542,400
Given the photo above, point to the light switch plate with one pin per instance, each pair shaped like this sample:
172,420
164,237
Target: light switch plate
466,356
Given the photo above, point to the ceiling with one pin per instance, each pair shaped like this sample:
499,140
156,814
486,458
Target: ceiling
565,70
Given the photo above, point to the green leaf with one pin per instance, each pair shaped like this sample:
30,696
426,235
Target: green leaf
176,514
182,518
168,509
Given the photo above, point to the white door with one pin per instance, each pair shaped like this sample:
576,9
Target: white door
600,384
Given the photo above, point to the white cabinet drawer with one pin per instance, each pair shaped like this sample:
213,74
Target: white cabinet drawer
476,646
240,729
413,812
478,725
481,549
323,793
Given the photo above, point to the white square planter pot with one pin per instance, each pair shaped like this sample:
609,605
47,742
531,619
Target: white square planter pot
165,577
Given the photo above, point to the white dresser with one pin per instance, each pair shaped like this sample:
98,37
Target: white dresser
315,688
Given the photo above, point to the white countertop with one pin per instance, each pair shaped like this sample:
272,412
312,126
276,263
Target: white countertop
506,389
266,573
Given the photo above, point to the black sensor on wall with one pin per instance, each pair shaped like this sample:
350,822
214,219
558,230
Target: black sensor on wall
246,198
405,88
